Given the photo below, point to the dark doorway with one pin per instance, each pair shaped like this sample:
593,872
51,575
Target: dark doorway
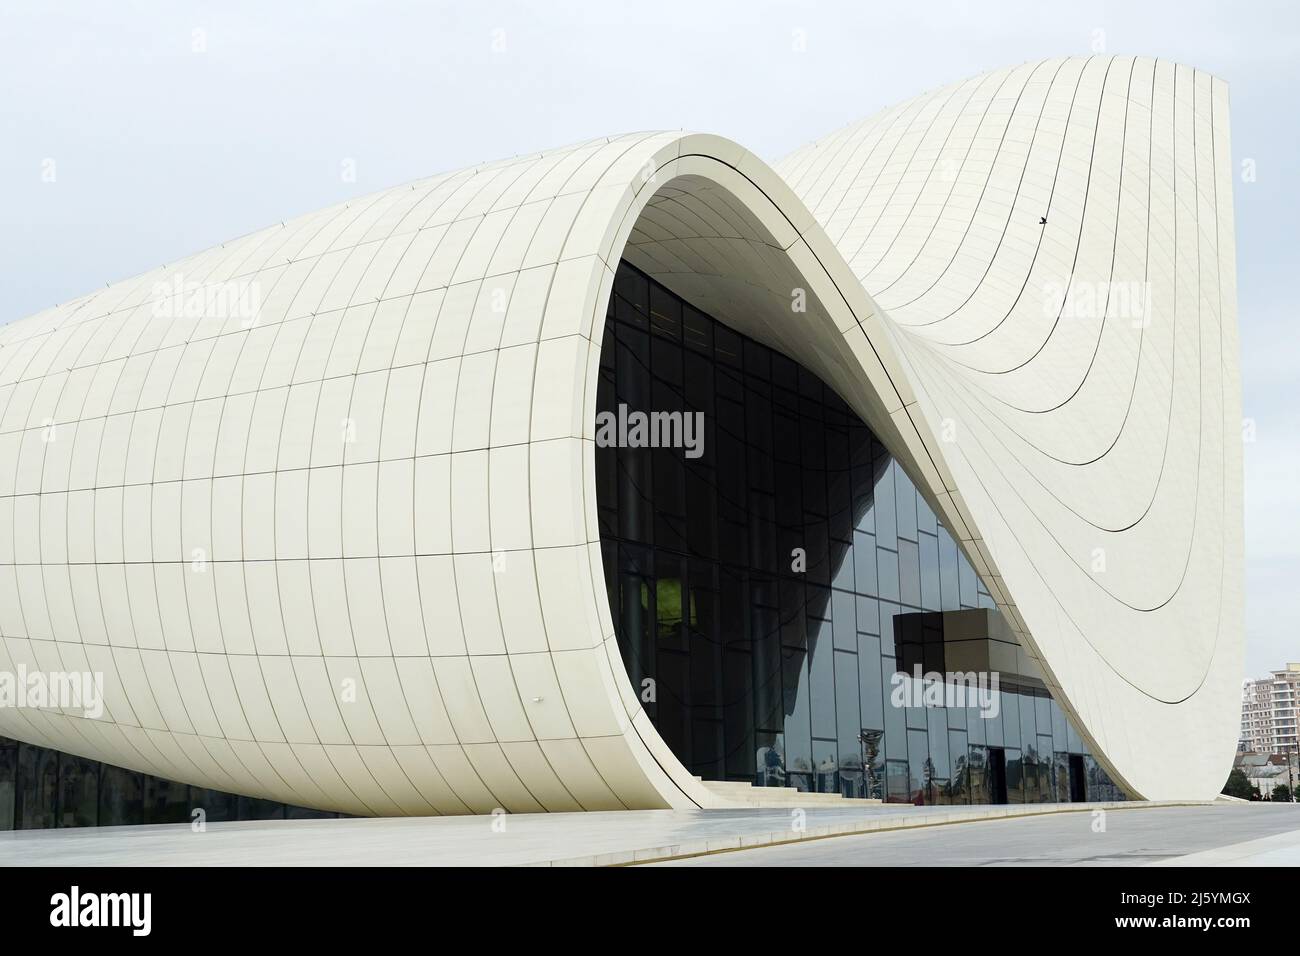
1078,782
997,775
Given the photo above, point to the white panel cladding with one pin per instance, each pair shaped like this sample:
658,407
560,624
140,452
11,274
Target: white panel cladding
320,502
1094,440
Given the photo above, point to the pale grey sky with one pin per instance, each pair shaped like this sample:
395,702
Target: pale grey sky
161,150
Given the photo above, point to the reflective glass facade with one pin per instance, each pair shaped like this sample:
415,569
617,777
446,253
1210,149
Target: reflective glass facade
764,590
41,789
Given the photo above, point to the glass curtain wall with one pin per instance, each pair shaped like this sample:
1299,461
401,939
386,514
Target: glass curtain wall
755,587
42,789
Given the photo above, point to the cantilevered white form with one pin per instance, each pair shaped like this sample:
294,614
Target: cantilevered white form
319,503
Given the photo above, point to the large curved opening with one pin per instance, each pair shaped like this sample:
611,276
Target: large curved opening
771,569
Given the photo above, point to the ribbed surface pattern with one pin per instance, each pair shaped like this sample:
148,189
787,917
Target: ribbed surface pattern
341,550
1094,435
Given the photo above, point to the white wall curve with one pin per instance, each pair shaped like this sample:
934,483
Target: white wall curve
345,555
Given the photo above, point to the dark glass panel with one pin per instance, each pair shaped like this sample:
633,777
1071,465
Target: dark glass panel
798,718
848,720
217,806
844,620
762,531
1029,767
727,345
873,763
1011,720
671,610
1015,777
868,615
966,584
669,478
765,642
769,760
826,762
821,669
665,315
1074,742
768,585
864,564
758,359
931,596
976,725
1060,736
872,699
1028,730
708,750
977,763
897,783
673,713
818,545
306,813
949,590
909,573
925,517
704,642
632,297
905,504
1061,772
959,753
1043,712
1046,771
920,768
38,791
839,484
8,782
958,717
842,563
166,801
697,329
785,372
254,808
78,791
886,517
937,731
54,789
121,797
887,574
698,391
738,711
895,712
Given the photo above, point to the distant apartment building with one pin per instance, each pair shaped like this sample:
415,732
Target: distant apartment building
1268,712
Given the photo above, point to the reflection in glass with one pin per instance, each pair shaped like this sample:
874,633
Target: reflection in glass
121,795
8,782
1015,776
78,791
42,788
898,789
38,793
771,589
978,770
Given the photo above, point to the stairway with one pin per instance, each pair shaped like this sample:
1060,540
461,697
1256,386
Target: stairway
741,794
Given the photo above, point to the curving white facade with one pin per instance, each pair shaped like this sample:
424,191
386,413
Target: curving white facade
339,547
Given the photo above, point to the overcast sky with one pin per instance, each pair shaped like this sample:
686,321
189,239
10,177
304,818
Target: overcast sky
174,126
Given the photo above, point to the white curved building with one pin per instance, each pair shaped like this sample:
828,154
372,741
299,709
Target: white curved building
321,504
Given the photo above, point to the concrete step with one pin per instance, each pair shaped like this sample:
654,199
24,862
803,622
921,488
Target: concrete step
746,794
741,787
